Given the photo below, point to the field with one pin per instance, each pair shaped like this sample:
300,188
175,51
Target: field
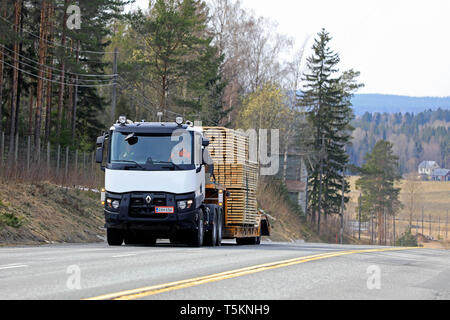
432,196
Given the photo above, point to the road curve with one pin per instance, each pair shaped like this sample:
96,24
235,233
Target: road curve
269,271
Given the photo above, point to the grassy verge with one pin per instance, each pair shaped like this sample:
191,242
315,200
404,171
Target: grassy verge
45,213
286,218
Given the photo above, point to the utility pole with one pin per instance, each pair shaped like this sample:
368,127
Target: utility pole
384,230
446,226
341,230
439,227
430,224
320,185
394,229
114,88
359,217
422,221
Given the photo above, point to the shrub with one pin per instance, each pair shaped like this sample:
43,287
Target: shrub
407,239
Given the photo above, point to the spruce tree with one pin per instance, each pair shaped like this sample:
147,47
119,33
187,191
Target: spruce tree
327,97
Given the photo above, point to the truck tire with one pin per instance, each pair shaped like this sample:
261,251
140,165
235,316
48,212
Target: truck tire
242,241
149,241
197,236
114,236
211,235
219,228
130,238
248,241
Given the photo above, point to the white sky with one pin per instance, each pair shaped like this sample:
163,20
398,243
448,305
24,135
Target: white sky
399,46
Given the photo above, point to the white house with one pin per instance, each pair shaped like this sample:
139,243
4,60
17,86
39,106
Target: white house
427,167
440,175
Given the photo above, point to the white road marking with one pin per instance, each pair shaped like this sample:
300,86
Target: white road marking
124,255
13,266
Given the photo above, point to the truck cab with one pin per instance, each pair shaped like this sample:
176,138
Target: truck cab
155,184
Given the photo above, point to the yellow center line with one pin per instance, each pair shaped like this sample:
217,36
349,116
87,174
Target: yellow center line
176,285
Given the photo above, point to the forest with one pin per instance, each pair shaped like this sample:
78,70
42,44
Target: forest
415,137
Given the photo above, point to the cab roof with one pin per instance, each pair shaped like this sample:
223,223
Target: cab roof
151,127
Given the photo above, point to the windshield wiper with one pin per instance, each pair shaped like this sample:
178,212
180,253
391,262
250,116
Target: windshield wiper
130,161
171,163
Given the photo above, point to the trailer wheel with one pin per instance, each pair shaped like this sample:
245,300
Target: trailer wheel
114,236
219,228
248,241
196,239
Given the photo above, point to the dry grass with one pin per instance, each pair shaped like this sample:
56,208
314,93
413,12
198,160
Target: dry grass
288,224
48,213
434,198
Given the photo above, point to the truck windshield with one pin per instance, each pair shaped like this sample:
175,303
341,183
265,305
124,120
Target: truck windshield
151,151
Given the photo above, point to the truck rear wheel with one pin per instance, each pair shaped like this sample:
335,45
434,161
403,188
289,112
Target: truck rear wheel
114,236
211,235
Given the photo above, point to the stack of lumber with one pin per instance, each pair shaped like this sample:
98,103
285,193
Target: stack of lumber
227,145
232,169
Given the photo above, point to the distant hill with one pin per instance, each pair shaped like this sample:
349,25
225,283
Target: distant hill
393,103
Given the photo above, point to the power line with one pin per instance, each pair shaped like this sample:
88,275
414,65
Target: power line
56,69
54,43
126,84
58,82
39,69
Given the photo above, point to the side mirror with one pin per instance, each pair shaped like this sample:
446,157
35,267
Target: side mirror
205,142
99,150
99,155
206,158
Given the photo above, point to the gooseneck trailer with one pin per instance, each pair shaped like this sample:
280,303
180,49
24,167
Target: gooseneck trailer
160,183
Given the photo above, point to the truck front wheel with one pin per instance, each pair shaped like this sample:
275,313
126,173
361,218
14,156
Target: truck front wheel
114,236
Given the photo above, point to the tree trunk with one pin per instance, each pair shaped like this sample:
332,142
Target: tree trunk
48,109
30,113
3,13
62,75
19,85
15,79
75,99
41,73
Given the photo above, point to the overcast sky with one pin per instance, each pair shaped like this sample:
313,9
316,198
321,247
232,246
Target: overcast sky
399,46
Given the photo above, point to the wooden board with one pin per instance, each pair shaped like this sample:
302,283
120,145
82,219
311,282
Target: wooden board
229,151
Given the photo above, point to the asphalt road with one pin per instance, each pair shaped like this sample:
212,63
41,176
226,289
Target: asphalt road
269,271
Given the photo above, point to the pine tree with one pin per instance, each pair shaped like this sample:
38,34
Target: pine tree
176,50
378,175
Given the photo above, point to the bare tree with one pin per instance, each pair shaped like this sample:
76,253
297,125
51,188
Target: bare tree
250,47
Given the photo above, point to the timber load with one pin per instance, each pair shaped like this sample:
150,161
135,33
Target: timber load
229,150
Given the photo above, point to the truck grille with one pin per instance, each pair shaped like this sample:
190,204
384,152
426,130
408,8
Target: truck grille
139,207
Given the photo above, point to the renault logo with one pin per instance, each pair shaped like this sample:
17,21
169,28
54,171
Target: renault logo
148,199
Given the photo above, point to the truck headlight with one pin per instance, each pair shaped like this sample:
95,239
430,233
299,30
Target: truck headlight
115,204
185,204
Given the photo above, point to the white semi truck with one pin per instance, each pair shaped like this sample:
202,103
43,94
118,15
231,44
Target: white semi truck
156,187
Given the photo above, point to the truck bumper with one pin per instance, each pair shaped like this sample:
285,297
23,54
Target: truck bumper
157,225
